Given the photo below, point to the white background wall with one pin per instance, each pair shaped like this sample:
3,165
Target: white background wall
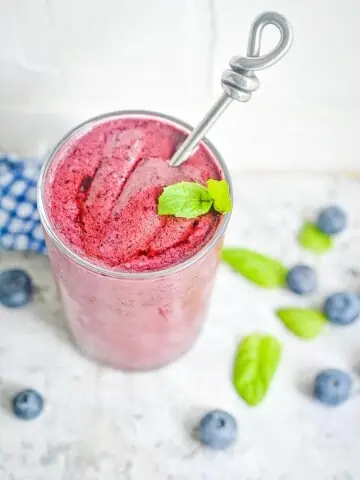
62,61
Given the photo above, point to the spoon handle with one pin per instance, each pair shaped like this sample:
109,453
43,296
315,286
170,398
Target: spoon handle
240,81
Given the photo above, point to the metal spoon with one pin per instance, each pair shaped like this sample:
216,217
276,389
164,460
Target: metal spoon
239,82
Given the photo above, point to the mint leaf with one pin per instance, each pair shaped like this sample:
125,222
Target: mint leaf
219,191
184,199
311,238
256,362
304,322
260,269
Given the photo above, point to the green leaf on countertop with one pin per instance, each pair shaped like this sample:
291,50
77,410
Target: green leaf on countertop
304,322
185,200
256,362
311,238
219,191
256,267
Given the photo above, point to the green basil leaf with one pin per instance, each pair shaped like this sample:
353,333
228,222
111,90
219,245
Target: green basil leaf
311,238
219,191
256,362
260,269
304,322
185,200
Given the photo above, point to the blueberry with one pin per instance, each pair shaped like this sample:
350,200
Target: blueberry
217,430
332,387
16,288
331,220
342,308
27,404
301,279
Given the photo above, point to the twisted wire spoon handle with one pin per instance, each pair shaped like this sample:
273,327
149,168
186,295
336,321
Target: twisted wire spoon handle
240,81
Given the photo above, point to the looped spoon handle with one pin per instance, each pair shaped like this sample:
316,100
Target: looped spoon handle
240,81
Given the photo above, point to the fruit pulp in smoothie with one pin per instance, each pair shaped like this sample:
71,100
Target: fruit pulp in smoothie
101,197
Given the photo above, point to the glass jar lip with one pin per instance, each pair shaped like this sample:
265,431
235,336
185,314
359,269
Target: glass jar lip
87,263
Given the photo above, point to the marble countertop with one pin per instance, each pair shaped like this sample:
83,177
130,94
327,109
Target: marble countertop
102,424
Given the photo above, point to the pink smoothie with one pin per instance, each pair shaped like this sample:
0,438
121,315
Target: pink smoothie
104,196
135,286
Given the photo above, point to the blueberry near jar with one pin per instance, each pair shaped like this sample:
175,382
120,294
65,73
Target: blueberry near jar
134,286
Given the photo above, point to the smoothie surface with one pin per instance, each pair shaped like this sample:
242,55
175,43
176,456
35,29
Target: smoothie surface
103,192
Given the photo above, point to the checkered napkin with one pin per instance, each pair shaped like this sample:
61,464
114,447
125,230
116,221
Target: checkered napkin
20,227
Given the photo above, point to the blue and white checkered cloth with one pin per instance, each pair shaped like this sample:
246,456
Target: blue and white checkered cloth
20,227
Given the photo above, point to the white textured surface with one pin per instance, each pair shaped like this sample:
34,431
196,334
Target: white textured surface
102,424
62,61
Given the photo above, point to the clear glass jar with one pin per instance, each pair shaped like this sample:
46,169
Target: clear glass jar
130,320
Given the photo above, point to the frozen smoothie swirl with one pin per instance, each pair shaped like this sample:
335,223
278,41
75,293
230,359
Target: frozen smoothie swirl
104,192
